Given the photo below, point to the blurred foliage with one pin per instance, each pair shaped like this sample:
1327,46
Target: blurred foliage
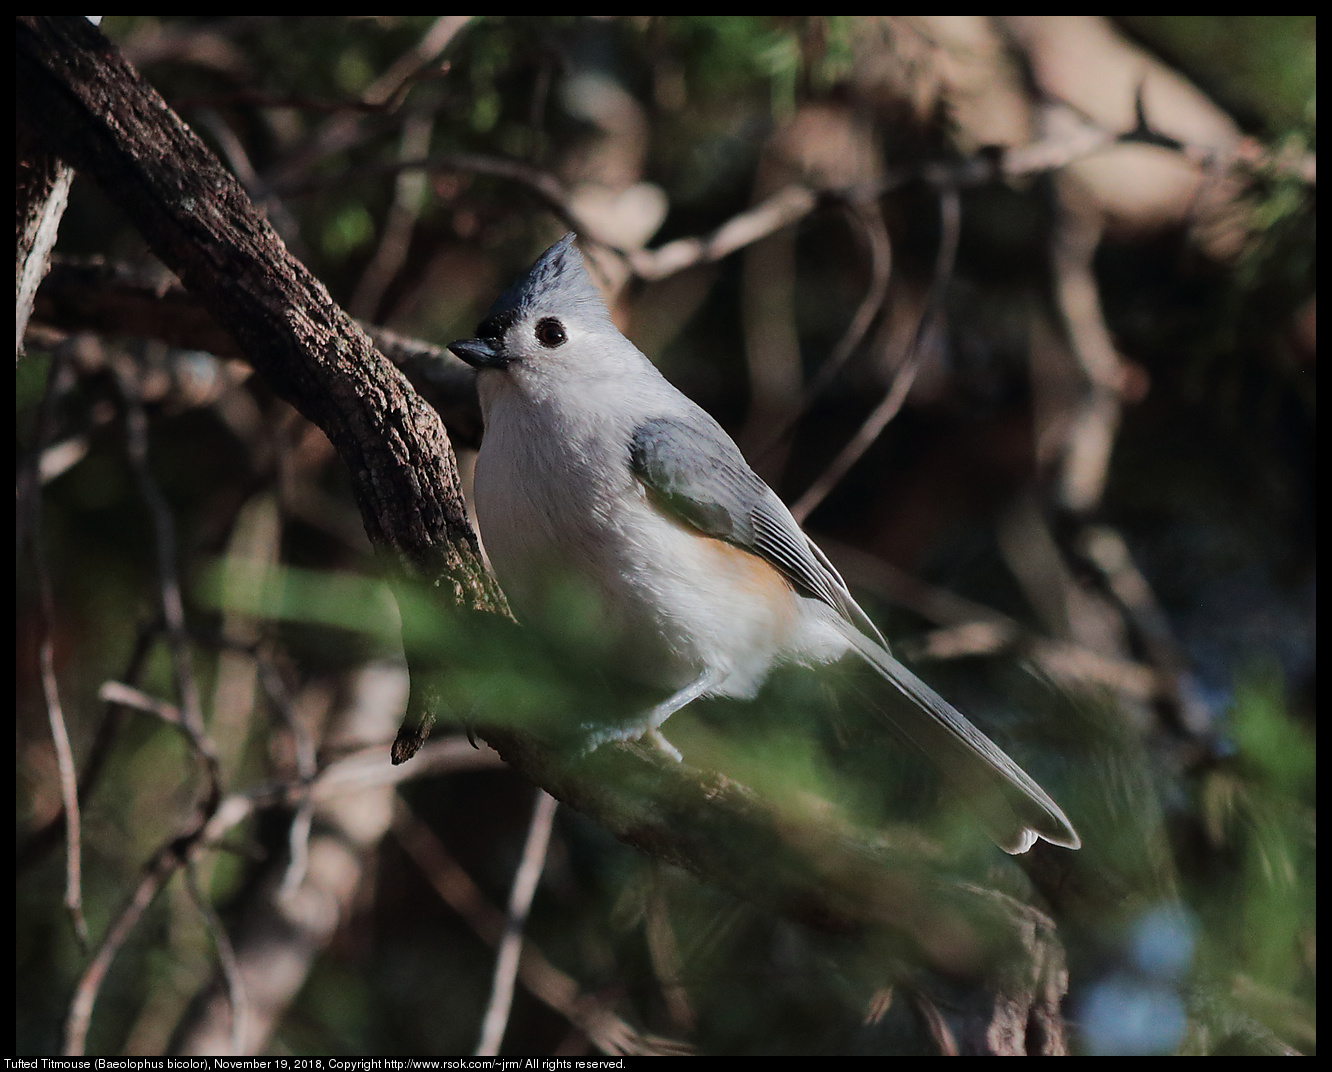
1263,69
1189,918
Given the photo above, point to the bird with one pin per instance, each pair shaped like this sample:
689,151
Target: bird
593,465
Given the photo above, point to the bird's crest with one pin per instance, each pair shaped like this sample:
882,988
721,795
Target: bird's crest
558,280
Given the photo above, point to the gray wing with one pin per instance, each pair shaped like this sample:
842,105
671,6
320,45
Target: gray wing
694,471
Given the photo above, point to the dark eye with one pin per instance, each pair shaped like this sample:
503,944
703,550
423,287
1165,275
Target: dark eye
550,333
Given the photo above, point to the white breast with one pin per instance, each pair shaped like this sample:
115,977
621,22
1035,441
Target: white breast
674,603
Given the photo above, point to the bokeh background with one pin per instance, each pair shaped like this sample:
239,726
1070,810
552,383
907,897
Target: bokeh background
1019,313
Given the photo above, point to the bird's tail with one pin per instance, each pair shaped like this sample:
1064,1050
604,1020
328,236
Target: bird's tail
1014,809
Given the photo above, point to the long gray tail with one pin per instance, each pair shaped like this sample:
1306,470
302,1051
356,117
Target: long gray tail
1014,809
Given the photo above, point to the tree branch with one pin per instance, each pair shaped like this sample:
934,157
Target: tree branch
92,108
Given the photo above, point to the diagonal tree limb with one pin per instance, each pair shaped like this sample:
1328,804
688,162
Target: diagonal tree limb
92,108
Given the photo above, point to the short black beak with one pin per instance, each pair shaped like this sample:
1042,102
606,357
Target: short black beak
479,353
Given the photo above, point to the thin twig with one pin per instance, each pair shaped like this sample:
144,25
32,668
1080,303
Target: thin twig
1108,551
409,193
886,410
511,945
870,218
361,770
364,769
935,1024
881,262
1075,141
1095,419
972,629
782,209
387,90
69,790
112,715
173,604
117,692
343,129
226,958
665,954
28,522
162,866
547,983
307,765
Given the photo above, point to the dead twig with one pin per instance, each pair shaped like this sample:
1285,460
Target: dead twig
347,125
950,216
169,592
69,791
875,232
155,875
226,958
364,769
589,1014
40,841
28,524
511,945
408,198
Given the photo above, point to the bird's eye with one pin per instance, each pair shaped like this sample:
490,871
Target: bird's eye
550,333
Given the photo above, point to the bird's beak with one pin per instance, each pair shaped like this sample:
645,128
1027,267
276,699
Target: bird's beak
479,354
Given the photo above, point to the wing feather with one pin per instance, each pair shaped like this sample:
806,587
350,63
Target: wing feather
695,472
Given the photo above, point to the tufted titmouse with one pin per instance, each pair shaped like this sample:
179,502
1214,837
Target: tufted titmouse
592,464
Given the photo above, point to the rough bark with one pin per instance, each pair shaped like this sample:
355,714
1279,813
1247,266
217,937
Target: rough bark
41,191
78,96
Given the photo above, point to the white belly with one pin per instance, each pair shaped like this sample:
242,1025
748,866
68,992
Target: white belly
670,603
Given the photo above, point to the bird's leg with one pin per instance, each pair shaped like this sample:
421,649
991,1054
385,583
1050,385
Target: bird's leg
649,726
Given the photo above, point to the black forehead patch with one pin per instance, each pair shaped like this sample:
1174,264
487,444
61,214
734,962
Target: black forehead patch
493,327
